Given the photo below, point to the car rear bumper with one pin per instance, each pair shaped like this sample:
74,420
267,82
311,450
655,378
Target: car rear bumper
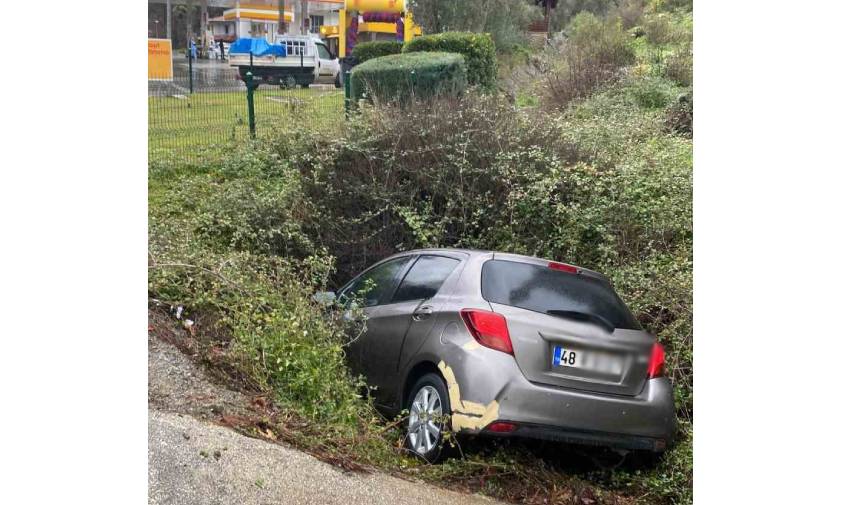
584,437
644,421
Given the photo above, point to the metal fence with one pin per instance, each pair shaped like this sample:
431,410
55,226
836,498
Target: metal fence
206,106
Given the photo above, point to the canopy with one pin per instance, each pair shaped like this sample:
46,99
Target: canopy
257,47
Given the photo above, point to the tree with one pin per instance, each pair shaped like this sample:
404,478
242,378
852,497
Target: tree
189,29
505,20
169,21
204,21
282,25
305,17
301,7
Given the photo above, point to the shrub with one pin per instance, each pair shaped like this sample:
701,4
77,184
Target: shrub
679,117
630,11
404,77
668,28
671,5
478,50
602,38
249,202
374,49
249,216
442,174
591,58
566,10
679,66
652,92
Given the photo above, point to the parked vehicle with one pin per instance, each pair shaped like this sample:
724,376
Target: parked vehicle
507,346
291,60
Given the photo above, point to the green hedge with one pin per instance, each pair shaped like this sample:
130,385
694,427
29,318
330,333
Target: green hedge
477,48
369,50
401,77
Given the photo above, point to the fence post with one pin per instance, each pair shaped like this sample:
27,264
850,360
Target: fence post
346,89
190,73
249,86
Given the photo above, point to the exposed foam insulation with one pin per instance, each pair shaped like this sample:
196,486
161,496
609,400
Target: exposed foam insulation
466,414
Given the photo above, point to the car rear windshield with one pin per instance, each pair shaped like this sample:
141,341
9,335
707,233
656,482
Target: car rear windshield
541,289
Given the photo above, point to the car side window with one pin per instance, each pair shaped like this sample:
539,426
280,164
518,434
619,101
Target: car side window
424,278
323,52
370,288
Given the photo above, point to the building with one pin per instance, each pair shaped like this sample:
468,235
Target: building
260,19
229,20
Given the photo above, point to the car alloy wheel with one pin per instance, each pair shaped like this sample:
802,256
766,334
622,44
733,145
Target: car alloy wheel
425,421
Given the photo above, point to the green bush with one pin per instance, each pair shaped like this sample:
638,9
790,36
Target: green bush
374,49
477,48
404,77
664,29
603,40
652,92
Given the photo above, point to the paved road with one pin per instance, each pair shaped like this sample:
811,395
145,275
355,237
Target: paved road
192,461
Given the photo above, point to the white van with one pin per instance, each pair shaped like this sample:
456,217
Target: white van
307,61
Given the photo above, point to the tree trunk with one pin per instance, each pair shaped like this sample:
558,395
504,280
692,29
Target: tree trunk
168,22
204,21
282,25
548,20
304,17
189,29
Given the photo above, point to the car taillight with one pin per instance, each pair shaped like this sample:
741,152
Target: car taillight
501,427
489,329
657,362
564,267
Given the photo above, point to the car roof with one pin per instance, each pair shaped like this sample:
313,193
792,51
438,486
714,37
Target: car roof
496,255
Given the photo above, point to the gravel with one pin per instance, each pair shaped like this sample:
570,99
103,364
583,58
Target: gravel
176,384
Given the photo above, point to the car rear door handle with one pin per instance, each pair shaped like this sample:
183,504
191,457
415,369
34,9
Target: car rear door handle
422,312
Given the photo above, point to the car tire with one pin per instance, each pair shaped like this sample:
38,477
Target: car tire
337,82
427,401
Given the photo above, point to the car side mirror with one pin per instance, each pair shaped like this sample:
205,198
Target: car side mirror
324,298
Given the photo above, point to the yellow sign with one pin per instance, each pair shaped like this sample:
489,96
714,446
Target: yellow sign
160,60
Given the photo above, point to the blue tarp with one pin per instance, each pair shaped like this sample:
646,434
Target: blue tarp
257,47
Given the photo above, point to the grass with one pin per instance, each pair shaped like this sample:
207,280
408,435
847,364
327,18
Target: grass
196,125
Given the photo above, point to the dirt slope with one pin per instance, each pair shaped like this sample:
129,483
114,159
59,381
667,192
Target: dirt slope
194,460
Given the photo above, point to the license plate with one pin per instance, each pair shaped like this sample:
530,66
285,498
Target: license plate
588,360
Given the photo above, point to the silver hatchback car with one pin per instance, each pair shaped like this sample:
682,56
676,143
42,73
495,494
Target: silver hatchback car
510,346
